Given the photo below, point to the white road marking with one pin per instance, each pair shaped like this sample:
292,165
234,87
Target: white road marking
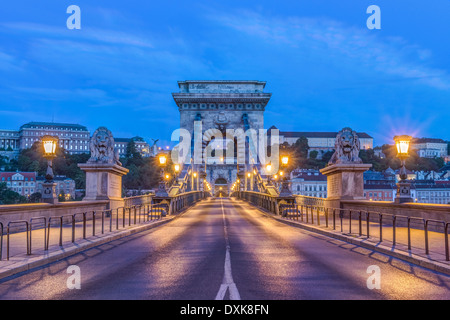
227,282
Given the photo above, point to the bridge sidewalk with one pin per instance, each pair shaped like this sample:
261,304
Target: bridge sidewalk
20,261
435,260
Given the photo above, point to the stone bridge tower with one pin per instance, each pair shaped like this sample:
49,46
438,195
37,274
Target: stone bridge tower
222,105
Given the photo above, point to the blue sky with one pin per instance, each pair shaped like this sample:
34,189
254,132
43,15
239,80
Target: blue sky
325,68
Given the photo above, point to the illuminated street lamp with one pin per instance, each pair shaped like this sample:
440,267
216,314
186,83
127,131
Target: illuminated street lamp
162,160
269,173
49,145
285,184
162,192
403,186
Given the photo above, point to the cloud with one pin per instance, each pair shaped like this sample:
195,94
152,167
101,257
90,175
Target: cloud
97,35
10,63
392,57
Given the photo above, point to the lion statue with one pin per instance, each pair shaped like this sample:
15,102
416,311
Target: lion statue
346,148
102,147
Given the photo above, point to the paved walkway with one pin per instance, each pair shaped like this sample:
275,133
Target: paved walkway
228,249
382,236
66,239
83,236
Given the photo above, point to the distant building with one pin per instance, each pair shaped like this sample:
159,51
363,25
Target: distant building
73,138
430,148
437,192
9,140
380,190
142,146
379,152
9,144
24,183
310,183
64,185
322,142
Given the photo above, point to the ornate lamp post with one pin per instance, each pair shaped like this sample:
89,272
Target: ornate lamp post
194,181
162,192
403,186
284,177
269,173
49,144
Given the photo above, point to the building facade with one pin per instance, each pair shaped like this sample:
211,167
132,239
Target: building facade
430,148
322,142
430,191
24,183
380,190
64,186
73,138
309,183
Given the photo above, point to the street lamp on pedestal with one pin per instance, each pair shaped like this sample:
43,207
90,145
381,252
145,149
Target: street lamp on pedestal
269,173
403,186
284,177
162,192
49,144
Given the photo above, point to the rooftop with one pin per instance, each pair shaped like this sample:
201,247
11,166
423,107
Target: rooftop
221,86
54,125
293,134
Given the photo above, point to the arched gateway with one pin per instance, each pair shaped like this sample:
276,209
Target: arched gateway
214,108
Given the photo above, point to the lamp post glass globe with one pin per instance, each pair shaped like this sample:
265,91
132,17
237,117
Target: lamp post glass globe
402,144
284,160
162,159
49,144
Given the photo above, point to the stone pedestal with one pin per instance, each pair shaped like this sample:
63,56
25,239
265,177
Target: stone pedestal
345,182
403,192
103,181
49,193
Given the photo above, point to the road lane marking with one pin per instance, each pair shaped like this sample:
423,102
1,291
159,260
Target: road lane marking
227,282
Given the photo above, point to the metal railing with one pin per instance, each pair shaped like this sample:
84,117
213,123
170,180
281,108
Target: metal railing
79,226
368,224
372,224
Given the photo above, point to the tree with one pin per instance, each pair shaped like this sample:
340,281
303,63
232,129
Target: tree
131,151
301,147
8,196
313,154
35,197
62,196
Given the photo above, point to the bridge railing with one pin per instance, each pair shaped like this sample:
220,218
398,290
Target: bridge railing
431,236
185,200
398,231
263,200
40,233
138,200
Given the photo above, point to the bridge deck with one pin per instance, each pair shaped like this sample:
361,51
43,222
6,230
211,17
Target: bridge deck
187,259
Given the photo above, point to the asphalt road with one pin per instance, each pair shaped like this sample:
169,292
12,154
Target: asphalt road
227,249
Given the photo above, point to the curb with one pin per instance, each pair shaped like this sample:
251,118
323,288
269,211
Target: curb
61,254
395,253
